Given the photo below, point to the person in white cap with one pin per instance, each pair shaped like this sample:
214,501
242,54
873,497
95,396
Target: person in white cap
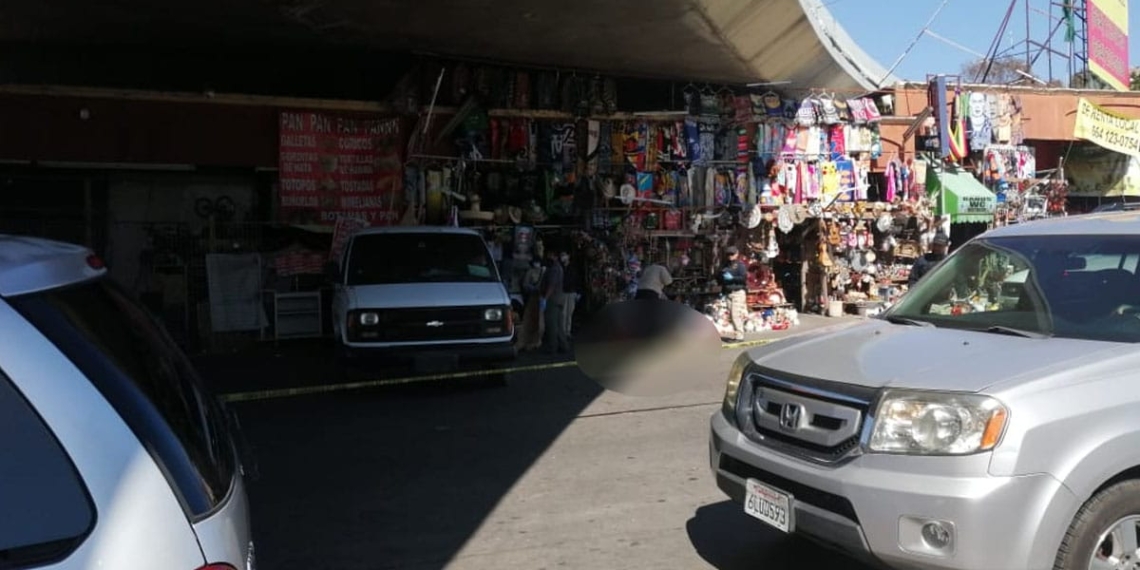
653,281
938,248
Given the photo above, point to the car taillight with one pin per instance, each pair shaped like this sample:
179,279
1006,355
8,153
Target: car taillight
217,567
95,262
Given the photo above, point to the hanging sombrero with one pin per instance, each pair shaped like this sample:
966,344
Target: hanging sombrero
755,216
784,219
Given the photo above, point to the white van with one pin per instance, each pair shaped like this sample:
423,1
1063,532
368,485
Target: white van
430,297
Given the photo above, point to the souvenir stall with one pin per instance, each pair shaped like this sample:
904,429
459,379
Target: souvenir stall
855,240
622,190
862,254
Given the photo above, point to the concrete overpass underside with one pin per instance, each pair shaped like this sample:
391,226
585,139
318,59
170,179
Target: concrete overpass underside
794,42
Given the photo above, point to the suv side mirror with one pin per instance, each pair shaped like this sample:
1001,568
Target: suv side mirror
332,272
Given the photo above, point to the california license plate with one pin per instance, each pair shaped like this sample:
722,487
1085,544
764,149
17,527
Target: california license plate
768,505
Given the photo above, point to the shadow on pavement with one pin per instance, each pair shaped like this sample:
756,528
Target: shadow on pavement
294,364
728,539
396,477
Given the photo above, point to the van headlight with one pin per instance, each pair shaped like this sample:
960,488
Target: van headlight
493,314
732,388
936,423
369,319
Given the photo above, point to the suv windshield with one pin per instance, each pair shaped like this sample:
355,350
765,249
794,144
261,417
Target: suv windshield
1072,286
381,259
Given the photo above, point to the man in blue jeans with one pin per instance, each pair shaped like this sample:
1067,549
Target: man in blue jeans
553,303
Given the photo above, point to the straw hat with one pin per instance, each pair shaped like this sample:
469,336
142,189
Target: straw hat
784,218
755,216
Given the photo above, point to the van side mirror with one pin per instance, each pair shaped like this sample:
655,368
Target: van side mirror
332,272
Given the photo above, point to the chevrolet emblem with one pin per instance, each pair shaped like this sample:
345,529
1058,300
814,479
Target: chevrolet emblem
435,324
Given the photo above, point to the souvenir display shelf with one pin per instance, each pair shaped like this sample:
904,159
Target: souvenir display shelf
734,168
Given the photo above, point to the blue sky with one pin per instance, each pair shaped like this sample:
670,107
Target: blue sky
884,29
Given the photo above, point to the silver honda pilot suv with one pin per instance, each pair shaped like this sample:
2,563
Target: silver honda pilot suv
990,420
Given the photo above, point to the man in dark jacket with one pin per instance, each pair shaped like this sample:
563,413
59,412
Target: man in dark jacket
938,247
552,300
734,282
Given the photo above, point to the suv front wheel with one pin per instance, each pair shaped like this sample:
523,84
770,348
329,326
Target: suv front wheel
1105,534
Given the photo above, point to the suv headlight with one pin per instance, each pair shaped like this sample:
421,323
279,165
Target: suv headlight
732,389
933,423
493,314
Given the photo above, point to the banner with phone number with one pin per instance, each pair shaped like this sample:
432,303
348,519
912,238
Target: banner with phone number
1107,129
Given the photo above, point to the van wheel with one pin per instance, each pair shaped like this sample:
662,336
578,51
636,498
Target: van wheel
1106,531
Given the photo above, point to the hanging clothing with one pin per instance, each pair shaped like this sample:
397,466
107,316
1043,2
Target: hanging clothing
680,150
863,180
852,139
803,135
806,114
710,187
803,178
837,142
1006,163
829,180
980,128
1004,131
707,140
791,137
815,143
848,182
830,114
693,140
891,174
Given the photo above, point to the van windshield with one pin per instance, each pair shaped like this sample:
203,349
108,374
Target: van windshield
382,259
1071,286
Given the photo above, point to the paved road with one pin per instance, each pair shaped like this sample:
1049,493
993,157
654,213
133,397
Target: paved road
550,472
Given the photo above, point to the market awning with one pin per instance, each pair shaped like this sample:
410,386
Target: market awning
959,195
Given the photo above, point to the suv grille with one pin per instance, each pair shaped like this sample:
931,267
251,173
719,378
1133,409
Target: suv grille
429,324
807,418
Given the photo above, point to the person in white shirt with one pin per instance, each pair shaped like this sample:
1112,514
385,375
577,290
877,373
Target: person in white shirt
653,281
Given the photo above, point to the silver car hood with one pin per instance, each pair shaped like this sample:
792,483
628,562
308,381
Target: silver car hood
875,353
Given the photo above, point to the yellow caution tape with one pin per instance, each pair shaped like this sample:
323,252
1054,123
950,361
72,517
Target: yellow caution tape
366,384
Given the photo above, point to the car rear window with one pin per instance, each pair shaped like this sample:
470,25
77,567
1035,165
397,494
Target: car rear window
47,511
149,381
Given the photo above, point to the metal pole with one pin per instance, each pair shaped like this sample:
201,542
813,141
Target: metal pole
88,214
997,42
1049,61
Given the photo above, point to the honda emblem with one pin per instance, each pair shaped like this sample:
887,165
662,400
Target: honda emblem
790,415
